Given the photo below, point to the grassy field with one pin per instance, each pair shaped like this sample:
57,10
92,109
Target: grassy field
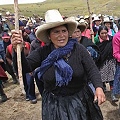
67,7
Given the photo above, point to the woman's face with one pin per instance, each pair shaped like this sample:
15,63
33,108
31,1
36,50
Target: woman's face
97,22
107,24
77,34
59,36
103,34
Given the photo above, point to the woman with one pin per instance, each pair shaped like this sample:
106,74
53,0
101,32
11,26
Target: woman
86,42
109,24
116,54
63,67
106,62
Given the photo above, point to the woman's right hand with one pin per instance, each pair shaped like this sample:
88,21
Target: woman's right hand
17,39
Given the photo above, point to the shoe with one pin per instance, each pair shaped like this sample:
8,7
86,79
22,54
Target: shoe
34,101
3,98
27,99
114,99
15,81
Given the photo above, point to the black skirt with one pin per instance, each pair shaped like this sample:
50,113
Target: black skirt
79,106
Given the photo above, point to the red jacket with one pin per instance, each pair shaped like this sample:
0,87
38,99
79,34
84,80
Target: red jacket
3,75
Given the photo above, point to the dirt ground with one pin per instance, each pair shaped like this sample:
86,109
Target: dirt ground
16,108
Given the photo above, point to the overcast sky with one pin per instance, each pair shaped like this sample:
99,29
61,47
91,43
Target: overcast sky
3,2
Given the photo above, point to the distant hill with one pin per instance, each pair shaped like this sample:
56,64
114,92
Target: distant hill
67,7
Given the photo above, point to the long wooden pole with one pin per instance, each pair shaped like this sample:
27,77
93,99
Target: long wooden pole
18,47
90,14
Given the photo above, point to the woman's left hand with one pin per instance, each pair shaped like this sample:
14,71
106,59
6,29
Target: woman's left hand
99,95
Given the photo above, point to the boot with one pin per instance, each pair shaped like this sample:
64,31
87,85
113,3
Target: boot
15,81
2,95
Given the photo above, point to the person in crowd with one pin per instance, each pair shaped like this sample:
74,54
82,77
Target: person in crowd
38,21
8,67
87,19
97,24
115,24
32,35
3,75
24,32
30,25
116,54
6,27
86,42
106,62
1,27
63,65
87,32
28,79
109,24
33,46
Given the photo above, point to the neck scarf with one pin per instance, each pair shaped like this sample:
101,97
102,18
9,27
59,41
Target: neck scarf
63,72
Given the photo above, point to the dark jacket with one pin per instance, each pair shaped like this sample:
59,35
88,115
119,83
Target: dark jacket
80,61
88,43
106,51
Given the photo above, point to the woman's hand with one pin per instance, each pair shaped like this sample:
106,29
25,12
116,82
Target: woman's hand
17,39
99,95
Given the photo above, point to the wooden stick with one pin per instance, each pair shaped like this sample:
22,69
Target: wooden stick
90,14
18,47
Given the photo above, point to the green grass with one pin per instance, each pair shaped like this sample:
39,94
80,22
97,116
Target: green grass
67,7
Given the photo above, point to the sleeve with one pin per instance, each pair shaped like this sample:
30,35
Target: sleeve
29,63
116,48
8,57
90,68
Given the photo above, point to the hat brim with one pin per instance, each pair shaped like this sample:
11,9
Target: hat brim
107,21
6,37
42,34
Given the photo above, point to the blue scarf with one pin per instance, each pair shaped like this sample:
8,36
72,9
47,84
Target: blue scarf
63,72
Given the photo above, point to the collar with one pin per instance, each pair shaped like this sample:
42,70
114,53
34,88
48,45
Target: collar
101,40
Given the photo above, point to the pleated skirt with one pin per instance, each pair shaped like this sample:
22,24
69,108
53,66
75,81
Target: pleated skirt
79,106
107,71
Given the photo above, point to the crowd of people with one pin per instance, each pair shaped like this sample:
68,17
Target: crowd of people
70,68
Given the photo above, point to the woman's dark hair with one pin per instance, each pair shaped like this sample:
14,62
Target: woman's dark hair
111,24
102,28
118,24
48,31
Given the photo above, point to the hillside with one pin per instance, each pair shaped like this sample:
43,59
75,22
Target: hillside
67,7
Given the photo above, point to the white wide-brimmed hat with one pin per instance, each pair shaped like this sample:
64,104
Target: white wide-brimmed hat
53,18
96,18
107,20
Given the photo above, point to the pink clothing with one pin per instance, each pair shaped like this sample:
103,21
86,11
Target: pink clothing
116,46
110,32
86,33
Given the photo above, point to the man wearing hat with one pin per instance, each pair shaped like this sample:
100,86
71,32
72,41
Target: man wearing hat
63,66
8,67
